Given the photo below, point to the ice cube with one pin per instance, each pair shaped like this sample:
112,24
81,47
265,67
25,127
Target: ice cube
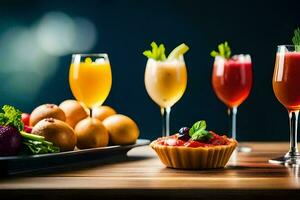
100,60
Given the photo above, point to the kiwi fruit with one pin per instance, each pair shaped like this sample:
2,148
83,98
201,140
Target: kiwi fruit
74,111
122,129
103,112
57,132
46,111
91,133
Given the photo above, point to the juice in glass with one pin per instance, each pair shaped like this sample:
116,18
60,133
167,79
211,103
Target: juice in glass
286,87
165,81
90,82
286,79
232,80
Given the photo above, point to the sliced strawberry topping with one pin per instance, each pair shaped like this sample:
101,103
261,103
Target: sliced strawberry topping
194,144
217,139
180,143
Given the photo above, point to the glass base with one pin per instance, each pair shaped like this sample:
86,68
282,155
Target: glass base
286,160
244,149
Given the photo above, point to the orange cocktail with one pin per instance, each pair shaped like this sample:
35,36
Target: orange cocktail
286,86
90,78
286,79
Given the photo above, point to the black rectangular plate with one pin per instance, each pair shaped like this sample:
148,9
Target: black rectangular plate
12,165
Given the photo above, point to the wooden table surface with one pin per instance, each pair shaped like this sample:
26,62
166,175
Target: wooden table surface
142,175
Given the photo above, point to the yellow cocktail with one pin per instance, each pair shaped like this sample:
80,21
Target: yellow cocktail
90,78
166,81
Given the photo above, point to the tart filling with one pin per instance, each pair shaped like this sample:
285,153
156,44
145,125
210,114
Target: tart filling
175,140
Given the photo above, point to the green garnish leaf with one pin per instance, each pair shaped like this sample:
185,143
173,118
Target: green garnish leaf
198,126
148,53
224,51
161,51
296,39
157,52
199,132
214,53
202,135
11,116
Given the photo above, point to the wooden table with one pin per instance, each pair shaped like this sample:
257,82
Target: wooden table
142,176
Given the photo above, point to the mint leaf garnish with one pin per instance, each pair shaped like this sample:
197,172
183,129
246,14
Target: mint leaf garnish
157,52
201,135
223,51
11,117
198,126
198,131
296,39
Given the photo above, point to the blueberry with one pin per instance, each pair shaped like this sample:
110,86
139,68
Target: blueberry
184,134
184,130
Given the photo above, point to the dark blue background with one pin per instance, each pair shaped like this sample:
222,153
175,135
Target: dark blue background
126,28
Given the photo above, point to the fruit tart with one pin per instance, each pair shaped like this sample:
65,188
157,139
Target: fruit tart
194,148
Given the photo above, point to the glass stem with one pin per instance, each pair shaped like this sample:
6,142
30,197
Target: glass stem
91,112
232,121
165,113
293,115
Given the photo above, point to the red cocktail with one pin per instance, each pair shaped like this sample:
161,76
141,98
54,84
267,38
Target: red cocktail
232,79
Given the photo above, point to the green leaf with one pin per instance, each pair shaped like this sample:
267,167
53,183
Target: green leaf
198,132
147,53
157,52
161,52
154,50
214,53
202,135
223,50
154,45
296,39
11,117
37,144
199,125
37,147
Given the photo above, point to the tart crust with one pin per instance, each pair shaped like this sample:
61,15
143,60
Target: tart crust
182,157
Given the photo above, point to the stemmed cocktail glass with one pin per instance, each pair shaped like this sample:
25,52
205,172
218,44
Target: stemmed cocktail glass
90,78
232,82
286,86
165,79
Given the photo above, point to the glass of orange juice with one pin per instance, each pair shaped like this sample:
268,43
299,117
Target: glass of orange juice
90,78
166,80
